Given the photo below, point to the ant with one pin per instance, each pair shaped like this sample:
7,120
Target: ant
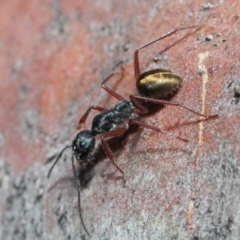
152,85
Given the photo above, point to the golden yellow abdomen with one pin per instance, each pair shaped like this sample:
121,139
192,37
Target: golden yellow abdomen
158,83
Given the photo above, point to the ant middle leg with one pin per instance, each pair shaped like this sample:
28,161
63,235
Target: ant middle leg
143,110
114,133
109,90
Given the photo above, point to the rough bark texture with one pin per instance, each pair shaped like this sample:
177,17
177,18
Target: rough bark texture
53,57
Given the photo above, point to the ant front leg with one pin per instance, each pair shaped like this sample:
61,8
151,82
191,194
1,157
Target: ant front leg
114,133
143,110
110,91
81,124
136,58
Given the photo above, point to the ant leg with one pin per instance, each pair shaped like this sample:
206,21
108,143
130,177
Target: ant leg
110,91
136,58
145,125
139,107
81,124
78,189
143,110
114,133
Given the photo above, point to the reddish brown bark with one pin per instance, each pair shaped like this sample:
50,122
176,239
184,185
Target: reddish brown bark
53,57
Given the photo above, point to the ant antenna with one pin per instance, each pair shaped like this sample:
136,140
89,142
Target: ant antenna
79,202
78,184
58,157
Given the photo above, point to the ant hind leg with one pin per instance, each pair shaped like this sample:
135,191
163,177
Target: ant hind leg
143,110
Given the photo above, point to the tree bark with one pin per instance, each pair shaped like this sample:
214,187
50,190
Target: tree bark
53,57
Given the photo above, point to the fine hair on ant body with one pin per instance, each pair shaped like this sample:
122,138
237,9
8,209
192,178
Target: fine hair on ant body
153,86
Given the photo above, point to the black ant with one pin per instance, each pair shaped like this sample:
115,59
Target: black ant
114,122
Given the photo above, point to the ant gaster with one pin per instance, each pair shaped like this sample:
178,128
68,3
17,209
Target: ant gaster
152,85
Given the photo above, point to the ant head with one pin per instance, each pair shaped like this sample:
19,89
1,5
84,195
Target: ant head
83,146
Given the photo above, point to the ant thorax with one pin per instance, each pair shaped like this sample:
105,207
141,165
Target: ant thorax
110,119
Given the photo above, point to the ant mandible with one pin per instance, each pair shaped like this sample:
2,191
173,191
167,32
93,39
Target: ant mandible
152,85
